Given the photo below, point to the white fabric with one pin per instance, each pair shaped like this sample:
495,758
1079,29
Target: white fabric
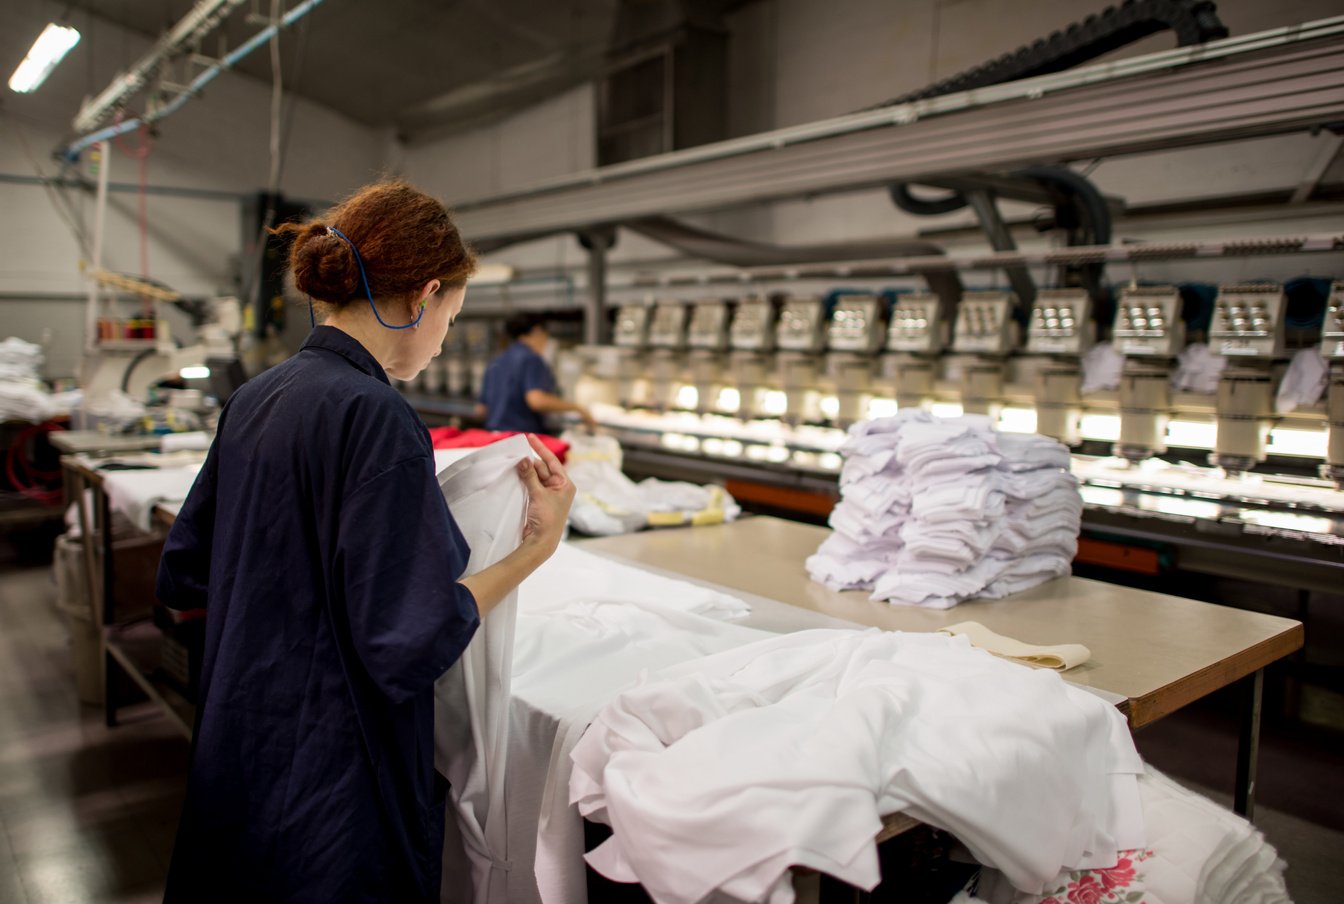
730,769
133,494
196,440
936,511
1102,365
588,627
1197,853
472,699
19,360
608,502
1062,656
1304,382
1198,369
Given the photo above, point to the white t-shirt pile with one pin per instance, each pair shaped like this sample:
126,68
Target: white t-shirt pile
23,397
935,511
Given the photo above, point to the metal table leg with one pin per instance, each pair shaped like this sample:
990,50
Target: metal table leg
1248,745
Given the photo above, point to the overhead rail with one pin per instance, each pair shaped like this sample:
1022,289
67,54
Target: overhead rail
187,92
1267,83
183,37
1319,243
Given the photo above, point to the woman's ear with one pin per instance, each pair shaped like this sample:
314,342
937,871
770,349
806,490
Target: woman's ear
430,288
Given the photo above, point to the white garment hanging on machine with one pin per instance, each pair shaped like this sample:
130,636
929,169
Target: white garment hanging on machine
472,699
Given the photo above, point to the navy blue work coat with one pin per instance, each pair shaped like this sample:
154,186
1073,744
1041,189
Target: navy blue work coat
508,379
318,542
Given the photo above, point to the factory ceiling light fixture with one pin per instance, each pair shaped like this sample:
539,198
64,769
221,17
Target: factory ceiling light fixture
49,49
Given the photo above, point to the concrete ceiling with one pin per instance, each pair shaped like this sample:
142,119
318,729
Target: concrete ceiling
419,66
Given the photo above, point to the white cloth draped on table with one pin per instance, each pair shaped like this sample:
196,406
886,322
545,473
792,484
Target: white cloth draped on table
725,771
588,627
133,493
472,699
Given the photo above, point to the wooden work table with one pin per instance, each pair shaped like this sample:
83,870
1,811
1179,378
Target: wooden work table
1159,652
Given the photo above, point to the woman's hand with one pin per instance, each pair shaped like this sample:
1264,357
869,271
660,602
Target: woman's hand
549,496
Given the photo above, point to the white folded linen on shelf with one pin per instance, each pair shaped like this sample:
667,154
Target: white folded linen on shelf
472,700
20,360
721,774
1197,853
934,511
134,493
26,400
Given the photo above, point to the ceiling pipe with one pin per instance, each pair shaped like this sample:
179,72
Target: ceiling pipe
203,18
197,84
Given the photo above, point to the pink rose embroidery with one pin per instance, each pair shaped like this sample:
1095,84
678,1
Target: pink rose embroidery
1118,876
1050,900
1086,891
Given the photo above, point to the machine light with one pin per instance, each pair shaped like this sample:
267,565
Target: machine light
730,401
830,407
945,409
688,397
1307,443
1192,434
198,372
775,403
878,407
49,49
1104,427
1017,420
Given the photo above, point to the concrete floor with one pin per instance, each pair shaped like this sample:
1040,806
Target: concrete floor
88,813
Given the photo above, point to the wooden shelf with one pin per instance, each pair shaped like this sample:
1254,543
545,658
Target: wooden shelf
135,647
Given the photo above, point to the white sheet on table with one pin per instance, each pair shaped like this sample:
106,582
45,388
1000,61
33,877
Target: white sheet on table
730,769
472,699
588,627
134,493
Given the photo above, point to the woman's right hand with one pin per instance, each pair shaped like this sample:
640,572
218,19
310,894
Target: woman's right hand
550,493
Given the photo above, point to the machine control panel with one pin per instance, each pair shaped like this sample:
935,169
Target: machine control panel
1248,321
632,326
668,327
855,325
1332,331
1061,323
1148,322
709,326
984,323
801,325
753,325
916,324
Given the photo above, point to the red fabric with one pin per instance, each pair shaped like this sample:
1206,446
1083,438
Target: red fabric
453,438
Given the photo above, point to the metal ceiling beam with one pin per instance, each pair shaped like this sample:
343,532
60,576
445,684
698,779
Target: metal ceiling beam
1259,85
202,19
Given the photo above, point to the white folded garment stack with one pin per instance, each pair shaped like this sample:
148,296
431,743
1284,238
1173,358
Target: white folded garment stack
721,774
936,511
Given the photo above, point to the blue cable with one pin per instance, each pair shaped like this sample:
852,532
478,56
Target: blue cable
360,261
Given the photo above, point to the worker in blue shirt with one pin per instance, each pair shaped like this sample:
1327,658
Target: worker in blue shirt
332,576
519,390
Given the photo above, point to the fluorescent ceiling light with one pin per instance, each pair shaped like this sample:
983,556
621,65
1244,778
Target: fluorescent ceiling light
49,49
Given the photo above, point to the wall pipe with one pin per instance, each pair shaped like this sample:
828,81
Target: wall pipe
230,60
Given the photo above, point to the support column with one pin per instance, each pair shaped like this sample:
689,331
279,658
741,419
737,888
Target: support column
598,242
